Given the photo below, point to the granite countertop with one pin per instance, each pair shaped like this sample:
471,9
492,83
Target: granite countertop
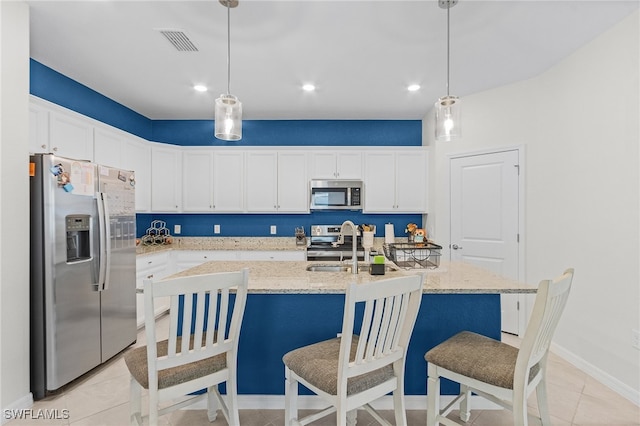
236,243
224,243
284,277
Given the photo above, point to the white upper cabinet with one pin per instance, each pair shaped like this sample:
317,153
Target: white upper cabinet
330,164
212,181
411,181
197,181
277,181
136,156
166,178
70,136
262,181
56,130
172,178
293,183
107,147
228,181
38,128
396,181
115,148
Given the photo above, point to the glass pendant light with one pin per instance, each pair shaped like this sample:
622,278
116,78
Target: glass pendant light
448,107
228,111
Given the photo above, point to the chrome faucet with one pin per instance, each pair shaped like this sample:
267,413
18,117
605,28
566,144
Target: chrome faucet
354,242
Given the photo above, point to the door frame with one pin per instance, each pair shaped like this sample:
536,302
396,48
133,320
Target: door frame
522,300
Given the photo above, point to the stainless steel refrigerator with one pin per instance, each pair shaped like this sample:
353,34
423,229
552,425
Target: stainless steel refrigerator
83,300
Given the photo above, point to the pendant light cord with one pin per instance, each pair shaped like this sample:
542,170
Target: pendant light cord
229,48
448,48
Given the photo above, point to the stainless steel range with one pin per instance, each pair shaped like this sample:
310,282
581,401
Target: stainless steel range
323,244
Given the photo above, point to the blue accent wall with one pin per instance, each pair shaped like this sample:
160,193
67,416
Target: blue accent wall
258,225
54,87
294,133
57,88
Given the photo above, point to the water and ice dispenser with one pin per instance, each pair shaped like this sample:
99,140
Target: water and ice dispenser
78,237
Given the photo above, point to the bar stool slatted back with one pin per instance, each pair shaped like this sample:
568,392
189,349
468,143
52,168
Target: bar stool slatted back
204,308
497,371
354,369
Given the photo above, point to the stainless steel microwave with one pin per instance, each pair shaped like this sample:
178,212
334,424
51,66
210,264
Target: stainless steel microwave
334,194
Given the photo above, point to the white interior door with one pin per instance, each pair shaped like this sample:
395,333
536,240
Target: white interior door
484,219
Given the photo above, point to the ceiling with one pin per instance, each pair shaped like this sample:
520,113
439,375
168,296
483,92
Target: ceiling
361,55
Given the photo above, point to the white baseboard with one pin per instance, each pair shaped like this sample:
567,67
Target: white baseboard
312,402
23,403
606,379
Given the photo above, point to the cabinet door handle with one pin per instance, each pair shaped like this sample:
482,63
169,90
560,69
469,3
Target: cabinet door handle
149,276
55,149
43,146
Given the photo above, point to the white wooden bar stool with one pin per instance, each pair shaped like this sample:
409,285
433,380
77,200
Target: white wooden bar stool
179,366
495,370
352,370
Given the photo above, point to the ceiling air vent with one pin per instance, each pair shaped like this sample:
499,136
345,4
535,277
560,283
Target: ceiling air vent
179,40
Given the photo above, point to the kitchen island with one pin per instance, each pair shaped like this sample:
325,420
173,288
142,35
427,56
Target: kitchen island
289,307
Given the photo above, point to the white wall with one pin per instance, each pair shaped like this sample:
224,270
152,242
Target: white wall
14,205
579,125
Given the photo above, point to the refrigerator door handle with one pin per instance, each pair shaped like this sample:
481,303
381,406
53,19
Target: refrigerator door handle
104,229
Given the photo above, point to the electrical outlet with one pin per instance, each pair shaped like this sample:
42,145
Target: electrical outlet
635,339
216,229
274,230
177,229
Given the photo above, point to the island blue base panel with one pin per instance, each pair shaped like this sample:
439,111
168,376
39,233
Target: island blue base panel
275,324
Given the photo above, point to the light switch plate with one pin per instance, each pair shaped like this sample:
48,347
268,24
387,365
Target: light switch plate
216,229
177,229
274,230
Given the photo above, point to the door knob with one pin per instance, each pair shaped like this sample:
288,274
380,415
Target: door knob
456,247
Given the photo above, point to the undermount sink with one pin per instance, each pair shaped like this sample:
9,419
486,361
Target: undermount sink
342,268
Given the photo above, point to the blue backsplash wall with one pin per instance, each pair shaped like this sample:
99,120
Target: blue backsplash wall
48,84
258,225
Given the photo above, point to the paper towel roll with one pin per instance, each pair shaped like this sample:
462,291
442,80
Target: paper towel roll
389,236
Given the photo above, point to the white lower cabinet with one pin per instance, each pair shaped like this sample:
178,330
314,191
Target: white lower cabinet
151,266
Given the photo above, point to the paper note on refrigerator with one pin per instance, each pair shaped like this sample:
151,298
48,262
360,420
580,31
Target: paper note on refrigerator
82,178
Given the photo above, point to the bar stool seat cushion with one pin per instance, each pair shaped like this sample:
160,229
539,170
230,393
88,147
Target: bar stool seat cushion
136,360
318,364
479,357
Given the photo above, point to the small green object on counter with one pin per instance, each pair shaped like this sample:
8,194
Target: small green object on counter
378,260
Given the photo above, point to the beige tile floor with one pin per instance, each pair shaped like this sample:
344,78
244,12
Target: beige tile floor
101,397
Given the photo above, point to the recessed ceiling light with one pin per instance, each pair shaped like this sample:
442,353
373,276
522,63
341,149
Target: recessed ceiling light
200,88
413,87
308,87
